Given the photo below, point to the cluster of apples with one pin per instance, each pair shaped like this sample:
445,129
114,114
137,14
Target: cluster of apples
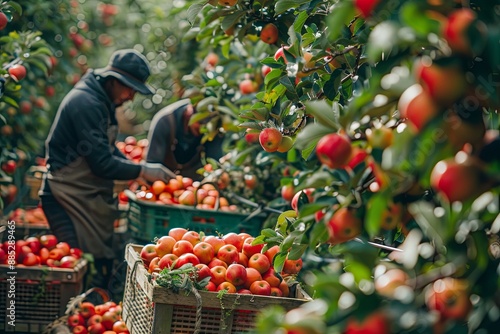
184,191
232,261
104,318
34,216
132,148
38,251
271,139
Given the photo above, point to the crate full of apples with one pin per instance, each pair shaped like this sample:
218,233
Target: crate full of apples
48,273
228,272
100,318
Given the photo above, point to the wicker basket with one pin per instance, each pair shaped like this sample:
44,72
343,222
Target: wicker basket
33,180
149,308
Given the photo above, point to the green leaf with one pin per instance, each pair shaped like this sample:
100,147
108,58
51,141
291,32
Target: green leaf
324,113
413,16
297,251
282,6
299,21
340,15
310,135
375,208
231,19
279,261
193,12
17,7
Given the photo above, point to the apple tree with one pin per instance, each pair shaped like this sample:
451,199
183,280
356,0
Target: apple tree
400,231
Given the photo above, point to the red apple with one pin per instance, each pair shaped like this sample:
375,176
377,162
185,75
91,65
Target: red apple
31,259
185,259
68,261
80,330
334,150
204,251
236,274
234,239
48,241
216,242
271,277
271,252
192,236
216,262
248,86
203,271
252,276
108,319
34,244
218,274
167,261
177,232
228,254
417,106
87,309
3,20
260,288
229,287
64,247
365,7
148,253
292,267
449,297
120,327
249,249
182,247
456,31
96,329
17,72
374,323
344,225
260,262
269,33
270,139
75,320
164,245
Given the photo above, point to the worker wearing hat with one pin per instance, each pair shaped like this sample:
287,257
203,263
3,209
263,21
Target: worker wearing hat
83,161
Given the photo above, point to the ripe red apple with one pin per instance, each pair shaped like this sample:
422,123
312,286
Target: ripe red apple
265,70
96,329
216,262
64,247
17,72
294,203
260,262
9,166
228,286
76,252
3,20
211,286
248,86
365,7
31,259
271,252
177,232
252,276
292,267
203,271
87,309
204,251
185,259
271,277
457,179
56,254
270,139
236,274
192,236
182,247
80,329
212,59
234,239
68,261
444,82
48,241
374,323
456,31
167,261
108,319
148,253
417,106
261,288
269,33
344,225
285,289
218,274
287,192
388,282
243,259
215,241
120,327
34,244
75,320
228,254
164,245
286,144
249,249
334,150
449,297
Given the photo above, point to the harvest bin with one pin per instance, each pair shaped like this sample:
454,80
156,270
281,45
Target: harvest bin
41,295
151,309
148,220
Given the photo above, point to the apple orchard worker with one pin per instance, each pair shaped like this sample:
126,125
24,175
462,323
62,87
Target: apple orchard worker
83,162
177,144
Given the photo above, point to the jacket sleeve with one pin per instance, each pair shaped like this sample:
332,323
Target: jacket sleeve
93,144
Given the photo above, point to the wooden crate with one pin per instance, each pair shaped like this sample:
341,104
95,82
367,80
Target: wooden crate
149,308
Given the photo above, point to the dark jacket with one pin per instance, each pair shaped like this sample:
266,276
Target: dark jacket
81,128
178,150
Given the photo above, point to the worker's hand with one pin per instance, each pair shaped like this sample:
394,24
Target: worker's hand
156,171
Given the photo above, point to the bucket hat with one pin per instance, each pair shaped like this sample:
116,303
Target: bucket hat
131,68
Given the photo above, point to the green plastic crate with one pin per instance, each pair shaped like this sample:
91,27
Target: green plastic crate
148,220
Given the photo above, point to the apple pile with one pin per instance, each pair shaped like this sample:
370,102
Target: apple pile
98,319
132,148
38,251
34,216
231,261
183,190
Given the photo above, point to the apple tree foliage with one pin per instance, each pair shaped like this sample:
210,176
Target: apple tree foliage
345,68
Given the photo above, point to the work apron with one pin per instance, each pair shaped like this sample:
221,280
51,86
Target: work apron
89,201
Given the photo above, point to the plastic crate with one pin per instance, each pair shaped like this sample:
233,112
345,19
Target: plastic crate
148,220
41,295
149,308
